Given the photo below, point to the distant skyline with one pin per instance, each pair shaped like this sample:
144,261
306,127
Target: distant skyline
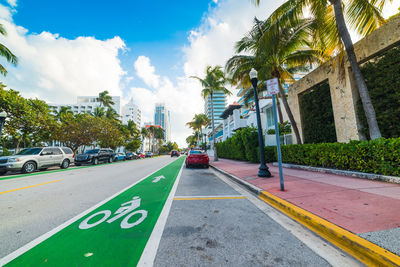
134,49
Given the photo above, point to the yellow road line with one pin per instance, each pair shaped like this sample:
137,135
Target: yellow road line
12,190
206,198
363,250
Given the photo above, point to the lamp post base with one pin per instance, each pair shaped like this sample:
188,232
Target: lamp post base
264,172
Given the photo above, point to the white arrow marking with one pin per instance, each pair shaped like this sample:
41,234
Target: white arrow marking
157,179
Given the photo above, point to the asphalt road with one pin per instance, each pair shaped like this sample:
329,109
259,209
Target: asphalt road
186,217
28,213
212,224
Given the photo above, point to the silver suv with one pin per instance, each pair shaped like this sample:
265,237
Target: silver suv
37,158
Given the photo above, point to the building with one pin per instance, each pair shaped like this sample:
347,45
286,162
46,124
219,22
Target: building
162,118
219,101
232,120
86,104
131,112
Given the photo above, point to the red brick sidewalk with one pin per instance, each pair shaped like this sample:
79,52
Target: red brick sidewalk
358,205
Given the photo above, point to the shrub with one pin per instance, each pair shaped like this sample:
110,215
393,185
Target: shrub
381,156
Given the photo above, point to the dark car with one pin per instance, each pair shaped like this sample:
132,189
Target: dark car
131,155
94,156
175,153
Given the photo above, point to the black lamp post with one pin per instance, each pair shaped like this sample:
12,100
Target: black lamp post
3,116
205,142
263,170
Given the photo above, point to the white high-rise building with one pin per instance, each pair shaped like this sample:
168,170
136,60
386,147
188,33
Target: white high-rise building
131,112
162,118
87,104
219,101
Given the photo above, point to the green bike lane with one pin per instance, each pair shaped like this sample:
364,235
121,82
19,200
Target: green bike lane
114,233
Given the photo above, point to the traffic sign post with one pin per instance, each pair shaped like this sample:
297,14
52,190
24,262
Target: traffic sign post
273,89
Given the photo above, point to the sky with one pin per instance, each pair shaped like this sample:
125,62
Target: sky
145,50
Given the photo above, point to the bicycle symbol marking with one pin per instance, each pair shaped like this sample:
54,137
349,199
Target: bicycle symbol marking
125,210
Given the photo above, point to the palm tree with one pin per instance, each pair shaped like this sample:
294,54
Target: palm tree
144,133
98,112
132,129
112,114
6,53
105,99
63,111
213,82
199,120
364,17
276,51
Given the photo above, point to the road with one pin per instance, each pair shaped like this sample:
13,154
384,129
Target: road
149,212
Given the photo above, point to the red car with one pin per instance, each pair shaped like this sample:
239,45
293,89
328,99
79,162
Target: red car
141,156
197,158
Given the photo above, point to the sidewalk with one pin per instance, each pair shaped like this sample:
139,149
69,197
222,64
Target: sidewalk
369,209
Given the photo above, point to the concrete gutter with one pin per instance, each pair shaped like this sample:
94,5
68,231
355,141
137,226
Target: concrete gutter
361,249
355,174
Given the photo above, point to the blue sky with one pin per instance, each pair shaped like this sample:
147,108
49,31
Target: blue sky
157,29
145,50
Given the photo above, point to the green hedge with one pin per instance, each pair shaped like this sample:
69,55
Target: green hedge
380,156
382,79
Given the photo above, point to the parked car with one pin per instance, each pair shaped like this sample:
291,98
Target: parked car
119,156
94,157
37,158
175,153
131,155
141,156
197,158
148,155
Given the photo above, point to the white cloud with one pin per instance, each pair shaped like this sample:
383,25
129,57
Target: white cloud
146,71
211,44
57,69
12,3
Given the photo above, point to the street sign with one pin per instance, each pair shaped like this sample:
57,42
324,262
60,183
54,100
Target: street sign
273,86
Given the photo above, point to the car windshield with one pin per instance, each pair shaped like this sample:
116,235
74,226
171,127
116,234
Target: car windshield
196,152
93,151
30,151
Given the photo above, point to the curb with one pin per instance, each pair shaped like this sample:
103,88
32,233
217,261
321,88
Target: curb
252,188
361,249
355,174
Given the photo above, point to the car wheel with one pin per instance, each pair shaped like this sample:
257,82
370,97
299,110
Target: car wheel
110,160
29,167
188,166
207,166
2,172
65,164
95,161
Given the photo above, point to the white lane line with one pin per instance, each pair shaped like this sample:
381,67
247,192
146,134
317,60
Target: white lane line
208,196
324,249
150,251
45,236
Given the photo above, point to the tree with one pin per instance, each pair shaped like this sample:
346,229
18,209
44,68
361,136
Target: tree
133,145
28,120
276,51
197,123
191,140
105,99
213,82
63,110
364,17
112,115
99,112
6,53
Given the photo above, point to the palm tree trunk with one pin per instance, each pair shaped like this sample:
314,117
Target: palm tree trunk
374,131
290,115
213,128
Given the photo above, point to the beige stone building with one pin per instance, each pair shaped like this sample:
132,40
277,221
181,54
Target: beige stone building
343,90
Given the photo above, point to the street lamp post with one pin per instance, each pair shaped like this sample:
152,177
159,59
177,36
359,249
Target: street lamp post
263,169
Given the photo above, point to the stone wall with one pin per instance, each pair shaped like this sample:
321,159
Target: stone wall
343,90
